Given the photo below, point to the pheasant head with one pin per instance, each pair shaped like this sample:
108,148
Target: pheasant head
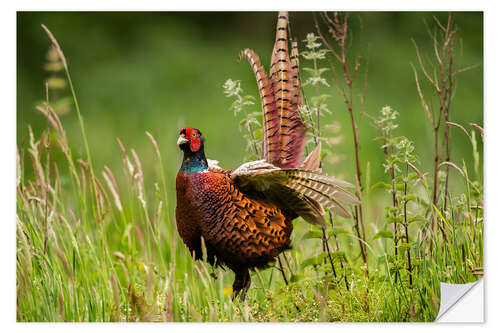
191,142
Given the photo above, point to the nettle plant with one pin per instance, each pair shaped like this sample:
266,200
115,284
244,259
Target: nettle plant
400,161
250,119
316,106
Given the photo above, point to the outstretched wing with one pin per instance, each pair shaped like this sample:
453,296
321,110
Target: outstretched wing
295,190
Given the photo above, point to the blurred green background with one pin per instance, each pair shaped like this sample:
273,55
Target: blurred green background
157,72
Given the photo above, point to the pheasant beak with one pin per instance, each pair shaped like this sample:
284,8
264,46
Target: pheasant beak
182,140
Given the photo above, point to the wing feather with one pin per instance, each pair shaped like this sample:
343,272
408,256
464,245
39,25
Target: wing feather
296,190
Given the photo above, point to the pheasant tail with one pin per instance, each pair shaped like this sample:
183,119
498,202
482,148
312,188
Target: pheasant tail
270,117
292,130
312,161
297,97
284,133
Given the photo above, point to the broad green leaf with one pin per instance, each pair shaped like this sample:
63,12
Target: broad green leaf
314,261
392,219
381,185
313,234
404,246
410,197
297,277
383,234
338,231
416,218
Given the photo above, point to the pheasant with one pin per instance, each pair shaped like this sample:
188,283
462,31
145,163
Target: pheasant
243,217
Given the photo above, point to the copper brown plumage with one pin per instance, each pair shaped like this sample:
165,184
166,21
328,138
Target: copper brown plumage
244,216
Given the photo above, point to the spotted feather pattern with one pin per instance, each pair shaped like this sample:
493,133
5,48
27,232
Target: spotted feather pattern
239,230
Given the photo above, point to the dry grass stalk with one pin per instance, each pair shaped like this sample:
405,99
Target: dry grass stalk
479,128
155,144
140,178
116,298
56,44
99,192
442,82
61,306
169,311
338,30
157,218
149,286
118,255
139,234
110,181
34,151
138,306
98,197
194,314
125,272
129,168
65,263
450,123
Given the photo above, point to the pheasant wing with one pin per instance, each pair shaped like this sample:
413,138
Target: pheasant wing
298,191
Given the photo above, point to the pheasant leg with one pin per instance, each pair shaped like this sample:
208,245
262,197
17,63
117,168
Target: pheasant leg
245,288
241,283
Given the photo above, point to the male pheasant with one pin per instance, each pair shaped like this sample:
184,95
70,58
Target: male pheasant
244,217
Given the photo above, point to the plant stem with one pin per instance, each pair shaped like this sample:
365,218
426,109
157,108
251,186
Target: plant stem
338,29
406,227
282,270
337,244
325,242
394,202
249,128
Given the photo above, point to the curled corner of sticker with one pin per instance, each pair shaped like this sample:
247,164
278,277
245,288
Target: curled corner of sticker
461,302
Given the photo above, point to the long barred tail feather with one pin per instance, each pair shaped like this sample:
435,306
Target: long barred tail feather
292,129
270,116
294,59
284,132
296,185
312,161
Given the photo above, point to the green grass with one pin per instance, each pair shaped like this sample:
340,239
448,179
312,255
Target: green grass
81,277
99,244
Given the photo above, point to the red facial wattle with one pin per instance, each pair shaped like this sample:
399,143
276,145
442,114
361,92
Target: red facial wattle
194,139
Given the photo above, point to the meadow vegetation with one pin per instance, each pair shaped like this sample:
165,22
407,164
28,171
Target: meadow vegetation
99,243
